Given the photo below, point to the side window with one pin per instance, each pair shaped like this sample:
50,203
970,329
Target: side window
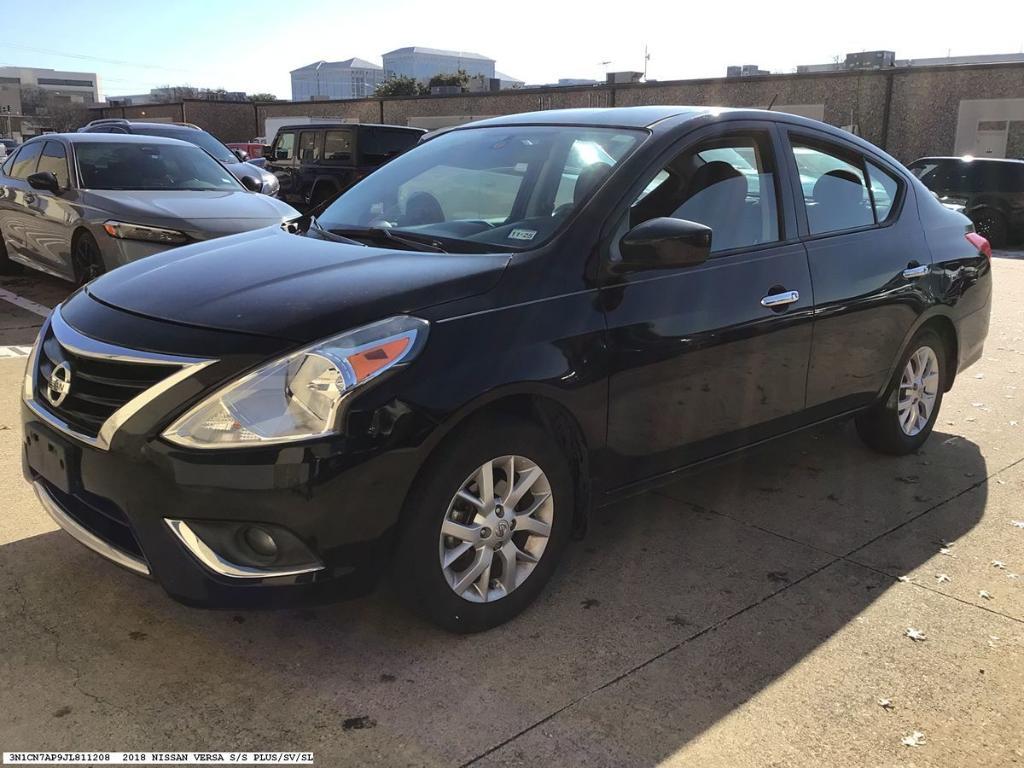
55,160
284,146
727,184
338,146
378,145
835,195
884,188
309,152
25,163
9,163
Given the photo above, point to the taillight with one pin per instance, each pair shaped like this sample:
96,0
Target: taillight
980,243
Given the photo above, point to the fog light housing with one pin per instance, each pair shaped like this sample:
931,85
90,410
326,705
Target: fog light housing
245,550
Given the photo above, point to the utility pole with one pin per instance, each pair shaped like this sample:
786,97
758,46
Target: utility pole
647,58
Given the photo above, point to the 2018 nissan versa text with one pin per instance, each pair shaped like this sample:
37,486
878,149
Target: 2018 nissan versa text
515,321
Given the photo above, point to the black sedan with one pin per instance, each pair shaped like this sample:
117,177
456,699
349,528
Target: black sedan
514,322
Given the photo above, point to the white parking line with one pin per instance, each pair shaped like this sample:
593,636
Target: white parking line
20,301
15,352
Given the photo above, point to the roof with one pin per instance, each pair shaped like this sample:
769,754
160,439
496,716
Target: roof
439,52
110,138
353,63
502,76
626,117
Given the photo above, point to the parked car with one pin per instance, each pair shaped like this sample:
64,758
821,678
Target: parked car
193,134
442,374
7,146
314,162
990,190
77,205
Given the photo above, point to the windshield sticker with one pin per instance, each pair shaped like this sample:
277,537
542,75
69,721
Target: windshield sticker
522,234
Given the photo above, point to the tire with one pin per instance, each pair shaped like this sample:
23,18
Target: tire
421,579
992,226
86,259
7,267
882,426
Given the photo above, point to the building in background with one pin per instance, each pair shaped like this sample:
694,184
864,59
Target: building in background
886,59
349,79
423,63
78,87
745,70
170,94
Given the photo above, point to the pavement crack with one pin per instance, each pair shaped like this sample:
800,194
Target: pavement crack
58,653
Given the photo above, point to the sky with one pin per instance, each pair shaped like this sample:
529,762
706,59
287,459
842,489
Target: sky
252,45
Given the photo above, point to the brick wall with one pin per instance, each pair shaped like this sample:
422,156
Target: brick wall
910,112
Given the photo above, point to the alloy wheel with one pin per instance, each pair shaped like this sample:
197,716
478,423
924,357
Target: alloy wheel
919,388
496,529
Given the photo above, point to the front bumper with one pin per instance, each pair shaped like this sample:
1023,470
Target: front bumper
122,496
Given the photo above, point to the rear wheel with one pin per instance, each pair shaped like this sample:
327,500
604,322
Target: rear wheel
903,421
992,226
485,525
86,259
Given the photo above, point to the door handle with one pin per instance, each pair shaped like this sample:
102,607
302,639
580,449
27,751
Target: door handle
914,272
780,299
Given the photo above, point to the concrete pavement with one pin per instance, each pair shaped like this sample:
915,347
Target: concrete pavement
749,615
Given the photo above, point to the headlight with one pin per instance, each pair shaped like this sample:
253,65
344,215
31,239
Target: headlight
124,231
299,396
271,185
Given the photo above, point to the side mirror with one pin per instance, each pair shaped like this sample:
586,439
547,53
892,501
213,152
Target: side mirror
241,154
253,185
268,152
44,180
663,243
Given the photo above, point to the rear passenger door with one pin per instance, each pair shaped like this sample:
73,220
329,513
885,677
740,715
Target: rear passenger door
20,222
869,265
709,358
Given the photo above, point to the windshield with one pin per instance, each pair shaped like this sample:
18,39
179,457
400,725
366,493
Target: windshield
508,186
110,165
201,139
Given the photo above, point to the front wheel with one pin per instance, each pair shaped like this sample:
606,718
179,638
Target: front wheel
485,525
86,259
903,421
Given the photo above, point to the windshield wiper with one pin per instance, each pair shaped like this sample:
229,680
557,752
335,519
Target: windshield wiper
382,233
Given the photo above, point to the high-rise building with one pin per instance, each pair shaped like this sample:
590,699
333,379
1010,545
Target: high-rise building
349,79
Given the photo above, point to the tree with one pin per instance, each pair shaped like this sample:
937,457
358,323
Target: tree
460,79
401,85
262,97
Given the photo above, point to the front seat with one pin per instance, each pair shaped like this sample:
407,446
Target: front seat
716,198
590,178
838,203
421,208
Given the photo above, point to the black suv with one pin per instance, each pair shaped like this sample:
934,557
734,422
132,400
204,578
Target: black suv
234,161
317,161
991,192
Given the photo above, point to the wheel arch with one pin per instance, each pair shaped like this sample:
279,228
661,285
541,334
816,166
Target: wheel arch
942,324
542,408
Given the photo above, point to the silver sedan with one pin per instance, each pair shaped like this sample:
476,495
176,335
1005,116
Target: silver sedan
77,205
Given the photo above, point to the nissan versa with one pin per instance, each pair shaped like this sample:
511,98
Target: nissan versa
515,321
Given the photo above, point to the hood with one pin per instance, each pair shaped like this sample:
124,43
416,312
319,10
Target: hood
272,283
143,207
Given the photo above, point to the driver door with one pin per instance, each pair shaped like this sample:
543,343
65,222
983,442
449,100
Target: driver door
709,358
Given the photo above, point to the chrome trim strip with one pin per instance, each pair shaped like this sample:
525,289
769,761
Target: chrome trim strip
85,346
219,565
82,345
86,537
